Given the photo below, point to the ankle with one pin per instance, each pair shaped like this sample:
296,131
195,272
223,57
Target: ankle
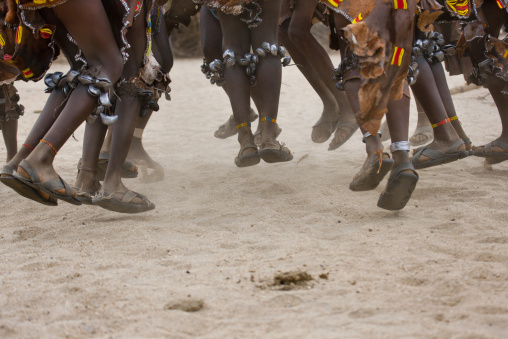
245,134
400,151
372,143
268,129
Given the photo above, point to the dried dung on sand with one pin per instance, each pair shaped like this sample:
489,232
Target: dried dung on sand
186,305
291,280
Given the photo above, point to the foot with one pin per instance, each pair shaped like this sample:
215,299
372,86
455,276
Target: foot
257,134
248,154
438,153
372,172
7,177
228,129
422,136
270,150
47,182
129,170
151,170
496,150
325,126
274,152
86,185
123,201
345,130
400,187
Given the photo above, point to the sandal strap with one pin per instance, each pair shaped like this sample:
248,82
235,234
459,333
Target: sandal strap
404,166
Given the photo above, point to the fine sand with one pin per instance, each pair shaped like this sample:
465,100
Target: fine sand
219,236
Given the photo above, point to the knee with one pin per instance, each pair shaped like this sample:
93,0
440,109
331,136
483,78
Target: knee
111,67
114,68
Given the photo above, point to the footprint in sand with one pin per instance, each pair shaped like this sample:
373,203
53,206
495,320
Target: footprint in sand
494,240
363,313
285,300
27,233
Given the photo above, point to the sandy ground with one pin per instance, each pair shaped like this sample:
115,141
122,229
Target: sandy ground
219,234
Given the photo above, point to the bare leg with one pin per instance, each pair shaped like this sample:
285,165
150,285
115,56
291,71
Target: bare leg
10,132
87,182
372,143
114,192
446,97
140,156
98,44
315,64
236,38
423,133
403,177
44,122
211,42
426,91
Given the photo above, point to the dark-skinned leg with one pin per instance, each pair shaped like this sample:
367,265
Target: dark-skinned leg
137,153
377,164
269,77
403,177
140,156
10,132
127,108
445,137
236,38
352,87
42,124
495,151
423,134
446,97
87,181
317,68
98,44
211,42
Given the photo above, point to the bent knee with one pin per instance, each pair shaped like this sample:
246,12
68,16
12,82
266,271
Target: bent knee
111,66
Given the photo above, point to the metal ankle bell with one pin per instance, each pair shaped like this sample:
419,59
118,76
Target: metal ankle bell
94,91
108,119
261,52
102,82
86,79
286,61
104,100
266,47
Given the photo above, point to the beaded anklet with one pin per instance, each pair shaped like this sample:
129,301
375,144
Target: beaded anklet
54,150
245,124
441,123
269,120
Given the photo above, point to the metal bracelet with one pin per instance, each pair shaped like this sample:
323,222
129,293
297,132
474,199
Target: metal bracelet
400,146
366,135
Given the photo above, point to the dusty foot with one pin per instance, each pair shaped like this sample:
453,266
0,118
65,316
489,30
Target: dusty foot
228,129
325,126
422,135
151,170
495,149
345,130
438,153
